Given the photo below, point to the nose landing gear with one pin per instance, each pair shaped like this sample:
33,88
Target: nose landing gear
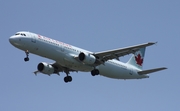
27,56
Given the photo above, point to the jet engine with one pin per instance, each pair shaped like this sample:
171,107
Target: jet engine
87,58
45,68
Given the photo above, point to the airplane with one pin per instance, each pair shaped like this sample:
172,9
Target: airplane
69,58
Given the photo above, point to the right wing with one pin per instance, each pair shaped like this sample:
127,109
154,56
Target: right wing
116,53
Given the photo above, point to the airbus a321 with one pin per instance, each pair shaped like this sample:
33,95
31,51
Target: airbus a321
68,58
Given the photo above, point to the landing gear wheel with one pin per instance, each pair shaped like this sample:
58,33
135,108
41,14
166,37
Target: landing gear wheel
26,59
67,79
95,72
27,56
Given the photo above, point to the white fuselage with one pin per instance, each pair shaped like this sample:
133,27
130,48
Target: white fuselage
65,55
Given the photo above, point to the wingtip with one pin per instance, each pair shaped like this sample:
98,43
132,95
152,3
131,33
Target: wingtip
165,68
152,43
155,42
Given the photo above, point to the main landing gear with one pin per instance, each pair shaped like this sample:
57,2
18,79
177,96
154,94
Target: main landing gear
27,56
67,78
95,72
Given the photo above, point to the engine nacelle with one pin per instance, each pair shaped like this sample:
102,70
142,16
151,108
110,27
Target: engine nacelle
45,68
87,58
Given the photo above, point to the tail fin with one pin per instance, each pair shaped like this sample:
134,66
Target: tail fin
137,59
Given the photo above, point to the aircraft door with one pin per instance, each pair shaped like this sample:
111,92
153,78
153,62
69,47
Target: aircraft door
34,46
33,38
62,48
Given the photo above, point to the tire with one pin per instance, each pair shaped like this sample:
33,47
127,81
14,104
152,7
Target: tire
93,73
26,59
96,72
66,79
69,78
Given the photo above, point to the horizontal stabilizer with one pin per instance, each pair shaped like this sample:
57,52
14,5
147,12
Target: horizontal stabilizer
151,71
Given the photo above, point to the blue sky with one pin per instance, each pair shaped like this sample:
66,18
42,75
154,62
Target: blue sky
95,25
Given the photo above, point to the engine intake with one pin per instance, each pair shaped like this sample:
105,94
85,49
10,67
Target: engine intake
45,68
87,58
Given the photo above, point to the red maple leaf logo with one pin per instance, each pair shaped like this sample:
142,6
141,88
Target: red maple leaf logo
139,60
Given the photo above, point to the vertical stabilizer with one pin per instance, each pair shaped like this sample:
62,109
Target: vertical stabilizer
137,59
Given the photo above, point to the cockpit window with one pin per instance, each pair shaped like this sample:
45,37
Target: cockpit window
17,34
20,34
23,34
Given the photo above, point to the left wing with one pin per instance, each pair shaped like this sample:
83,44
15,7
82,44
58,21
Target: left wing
115,54
58,68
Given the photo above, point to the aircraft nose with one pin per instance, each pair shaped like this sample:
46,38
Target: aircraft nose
12,39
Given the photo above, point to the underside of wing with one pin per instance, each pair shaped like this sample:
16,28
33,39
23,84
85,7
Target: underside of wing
54,68
115,54
60,68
